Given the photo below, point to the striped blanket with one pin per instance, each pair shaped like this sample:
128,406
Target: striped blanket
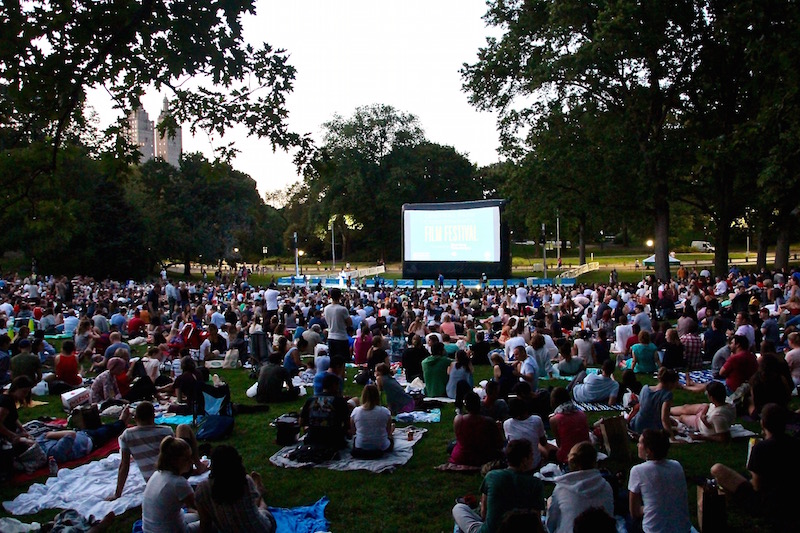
591,407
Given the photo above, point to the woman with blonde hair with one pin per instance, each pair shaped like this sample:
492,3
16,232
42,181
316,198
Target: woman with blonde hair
168,491
371,425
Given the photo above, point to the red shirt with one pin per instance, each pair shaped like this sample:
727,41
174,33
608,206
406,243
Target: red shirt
135,325
739,368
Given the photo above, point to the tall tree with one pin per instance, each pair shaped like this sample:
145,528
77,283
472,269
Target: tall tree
52,52
633,58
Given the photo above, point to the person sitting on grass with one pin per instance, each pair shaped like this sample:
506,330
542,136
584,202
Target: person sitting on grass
478,438
336,366
142,443
568,424
503,375
230,500
167,491
493,405
774,472
652,411
713,420
645,355
271,380
324,417
581,489
371,426
104,386
503,491
434,370
459,380
658,495
396,398
524,425
568,365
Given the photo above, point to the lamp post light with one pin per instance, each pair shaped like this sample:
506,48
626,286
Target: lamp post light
296,259
300,254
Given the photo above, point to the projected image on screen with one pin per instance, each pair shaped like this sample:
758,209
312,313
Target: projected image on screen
459,235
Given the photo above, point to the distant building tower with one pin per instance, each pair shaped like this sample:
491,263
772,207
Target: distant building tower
140,133
168,147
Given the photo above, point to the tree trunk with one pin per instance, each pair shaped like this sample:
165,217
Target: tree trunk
782,242
722,245
581,239
625,237
187,267
761,246
661,233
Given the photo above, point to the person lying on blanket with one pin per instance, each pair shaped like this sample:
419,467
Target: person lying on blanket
712,420
67,445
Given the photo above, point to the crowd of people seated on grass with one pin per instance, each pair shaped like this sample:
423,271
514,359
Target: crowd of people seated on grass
740,325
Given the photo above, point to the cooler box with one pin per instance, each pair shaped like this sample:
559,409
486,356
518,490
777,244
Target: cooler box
74,398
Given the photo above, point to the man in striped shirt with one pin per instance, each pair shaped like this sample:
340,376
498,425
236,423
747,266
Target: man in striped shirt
141,442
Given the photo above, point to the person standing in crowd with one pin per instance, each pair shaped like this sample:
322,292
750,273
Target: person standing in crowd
338,320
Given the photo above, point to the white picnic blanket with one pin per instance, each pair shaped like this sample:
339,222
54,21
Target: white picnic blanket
85,489
737,432
402,453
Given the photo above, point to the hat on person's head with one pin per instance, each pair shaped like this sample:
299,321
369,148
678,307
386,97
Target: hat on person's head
115,364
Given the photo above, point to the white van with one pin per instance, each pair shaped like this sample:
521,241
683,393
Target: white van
703,246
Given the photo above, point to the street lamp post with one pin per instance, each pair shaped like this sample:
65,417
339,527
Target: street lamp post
301,253
296,258
333,246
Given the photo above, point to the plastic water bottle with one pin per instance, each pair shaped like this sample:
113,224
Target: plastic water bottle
176,368
53,465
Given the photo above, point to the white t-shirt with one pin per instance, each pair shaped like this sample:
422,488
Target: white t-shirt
512,343
530,429
371,428
271,298
522,295
719,419
336,316
162,501
662,485
623,333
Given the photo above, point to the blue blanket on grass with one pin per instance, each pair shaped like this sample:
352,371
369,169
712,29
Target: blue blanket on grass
306,519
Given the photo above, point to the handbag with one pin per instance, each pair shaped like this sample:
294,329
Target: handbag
85,417
231,359
615,438
31,459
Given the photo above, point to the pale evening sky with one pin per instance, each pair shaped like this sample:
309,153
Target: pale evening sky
350,53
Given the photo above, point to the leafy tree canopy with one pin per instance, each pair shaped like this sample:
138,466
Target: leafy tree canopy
52,52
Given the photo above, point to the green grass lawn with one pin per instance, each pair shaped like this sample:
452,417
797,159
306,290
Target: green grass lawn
413,498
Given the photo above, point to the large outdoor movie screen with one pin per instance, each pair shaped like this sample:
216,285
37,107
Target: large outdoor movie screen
457,239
